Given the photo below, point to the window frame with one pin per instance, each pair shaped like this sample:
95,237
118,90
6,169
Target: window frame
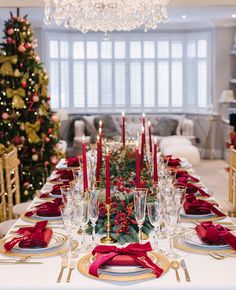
184,36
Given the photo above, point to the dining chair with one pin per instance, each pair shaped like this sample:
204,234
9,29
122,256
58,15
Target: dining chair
3,210
10,166
232,178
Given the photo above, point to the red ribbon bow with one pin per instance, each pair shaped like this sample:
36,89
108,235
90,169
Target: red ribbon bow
192,203
192,188
138,252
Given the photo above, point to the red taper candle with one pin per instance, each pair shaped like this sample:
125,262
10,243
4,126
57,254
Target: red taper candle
85,174
137,166
142,146
155,175
108,178
150,136
123,128
98,168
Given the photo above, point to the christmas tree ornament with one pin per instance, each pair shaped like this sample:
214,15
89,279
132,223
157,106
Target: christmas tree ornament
16,95
31,131
17,73
21,48
10,31
50,130
16,140
26,192
10,40
27,45
26,185
54,118
35,157
23,84
35,98
5,115
47,139
24,28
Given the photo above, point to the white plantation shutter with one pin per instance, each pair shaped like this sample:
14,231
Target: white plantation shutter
135,72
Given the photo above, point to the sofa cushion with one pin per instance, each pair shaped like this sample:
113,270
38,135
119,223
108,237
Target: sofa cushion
165,127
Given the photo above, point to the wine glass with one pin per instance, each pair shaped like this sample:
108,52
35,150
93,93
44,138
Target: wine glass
93,211
153,210
179,194
140,196
171,222
83,219
66,192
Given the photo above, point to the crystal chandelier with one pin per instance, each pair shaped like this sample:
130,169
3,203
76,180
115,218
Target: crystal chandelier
106,15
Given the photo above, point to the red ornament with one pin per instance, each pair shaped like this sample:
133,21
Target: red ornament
21,65
5,116
33,150
23,20
27,184
24,28
47,139
10,31
35,98
48,98
23,84
50,130
10,40
21,48
27,45
16,140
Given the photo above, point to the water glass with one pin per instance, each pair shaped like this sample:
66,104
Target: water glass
153,210
140,196
66,192
171,222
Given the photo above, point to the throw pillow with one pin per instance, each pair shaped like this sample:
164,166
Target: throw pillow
165,127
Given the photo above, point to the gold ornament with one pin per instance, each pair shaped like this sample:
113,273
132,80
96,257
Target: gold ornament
31,131
6,69
35,157
17,101
12,59
17,73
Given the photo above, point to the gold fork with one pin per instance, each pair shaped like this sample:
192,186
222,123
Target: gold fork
71,268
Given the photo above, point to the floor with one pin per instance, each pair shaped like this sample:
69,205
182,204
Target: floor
214,175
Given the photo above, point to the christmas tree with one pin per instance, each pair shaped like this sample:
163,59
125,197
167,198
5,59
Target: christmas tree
26,120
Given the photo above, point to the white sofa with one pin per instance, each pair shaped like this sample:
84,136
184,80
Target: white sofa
133,125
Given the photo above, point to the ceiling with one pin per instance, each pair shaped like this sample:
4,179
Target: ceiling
201,13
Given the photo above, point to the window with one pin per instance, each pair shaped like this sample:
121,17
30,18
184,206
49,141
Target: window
131,72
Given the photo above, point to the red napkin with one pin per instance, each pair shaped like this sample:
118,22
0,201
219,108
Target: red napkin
73,161
56,190
215,234
192,188
48,209
173,162
192,205
32,237
183,176
64,174
133,254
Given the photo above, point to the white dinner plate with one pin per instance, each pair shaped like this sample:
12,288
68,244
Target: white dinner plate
57,241
191,238
195,216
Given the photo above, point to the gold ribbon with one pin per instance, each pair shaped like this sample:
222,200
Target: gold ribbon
17,101
4,149
7,62
31,131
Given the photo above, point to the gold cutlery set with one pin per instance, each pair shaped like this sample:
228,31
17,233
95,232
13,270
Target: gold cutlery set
64,265
175,266
21,261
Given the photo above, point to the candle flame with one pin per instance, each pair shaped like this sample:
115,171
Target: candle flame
123,114
100,131
83,138
142,129
97,137
143,115
149,123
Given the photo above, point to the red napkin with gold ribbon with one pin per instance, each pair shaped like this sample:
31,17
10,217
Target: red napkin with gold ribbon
192,205
192,188
132,255
47,209
74,161
215,234
38,236
172,162
64,174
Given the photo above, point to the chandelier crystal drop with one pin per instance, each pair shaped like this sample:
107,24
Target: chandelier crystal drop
106,15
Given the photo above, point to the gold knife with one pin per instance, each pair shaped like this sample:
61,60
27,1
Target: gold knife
64,265
184,267
71,268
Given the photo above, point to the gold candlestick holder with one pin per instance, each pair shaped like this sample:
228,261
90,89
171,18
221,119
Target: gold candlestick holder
108,239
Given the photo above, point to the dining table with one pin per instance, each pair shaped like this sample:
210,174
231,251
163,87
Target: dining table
206,272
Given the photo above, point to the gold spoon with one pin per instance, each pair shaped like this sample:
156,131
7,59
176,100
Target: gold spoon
175,266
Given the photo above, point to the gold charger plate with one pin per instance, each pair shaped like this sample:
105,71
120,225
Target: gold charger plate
33,220
54,252
84,263
179,244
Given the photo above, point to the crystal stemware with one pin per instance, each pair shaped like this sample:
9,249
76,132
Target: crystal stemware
153,210
66,192
93,211
179,194
140,196
171,222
